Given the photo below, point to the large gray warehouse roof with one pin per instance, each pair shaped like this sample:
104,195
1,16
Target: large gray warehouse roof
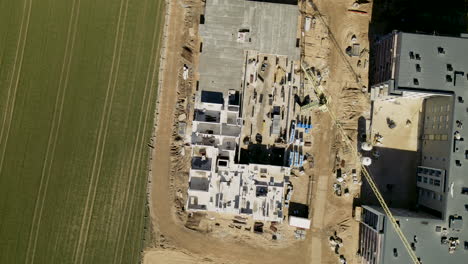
438,65
438,57
422,232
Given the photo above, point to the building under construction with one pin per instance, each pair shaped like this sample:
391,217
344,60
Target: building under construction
436,68
242,43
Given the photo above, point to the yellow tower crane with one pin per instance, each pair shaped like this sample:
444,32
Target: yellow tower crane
365,172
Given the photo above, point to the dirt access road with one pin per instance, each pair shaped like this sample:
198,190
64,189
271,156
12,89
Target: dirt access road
169,230
347,77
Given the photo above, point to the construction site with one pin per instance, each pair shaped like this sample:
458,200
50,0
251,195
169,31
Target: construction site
263,112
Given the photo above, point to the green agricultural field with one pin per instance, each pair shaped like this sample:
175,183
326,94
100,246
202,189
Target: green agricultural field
78,82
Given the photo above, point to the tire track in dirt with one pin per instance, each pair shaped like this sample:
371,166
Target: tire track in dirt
80,250
10,107
55,128
152,70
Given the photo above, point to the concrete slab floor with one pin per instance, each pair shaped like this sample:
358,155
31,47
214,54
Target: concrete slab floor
267,93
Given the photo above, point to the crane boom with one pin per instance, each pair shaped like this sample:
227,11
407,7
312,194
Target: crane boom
367,175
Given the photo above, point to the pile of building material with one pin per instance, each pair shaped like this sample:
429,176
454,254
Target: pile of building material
289,192
452,242
300,234
341,185
335,243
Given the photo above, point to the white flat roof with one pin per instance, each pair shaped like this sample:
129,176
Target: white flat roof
299,222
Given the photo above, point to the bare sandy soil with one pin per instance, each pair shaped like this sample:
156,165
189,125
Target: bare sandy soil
165,256
329,213
347,76
406,114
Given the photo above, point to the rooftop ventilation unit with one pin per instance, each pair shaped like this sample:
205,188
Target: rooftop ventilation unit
418,67
441,50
